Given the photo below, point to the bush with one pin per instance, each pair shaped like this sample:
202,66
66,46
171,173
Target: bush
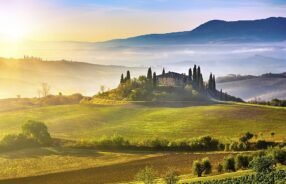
238,146
146,175
14,142
262,144
171,177
279,155
229,164
202,167
38,131
263,164
246,137
241,161
219,168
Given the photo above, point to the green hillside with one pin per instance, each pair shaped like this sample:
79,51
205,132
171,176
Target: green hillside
145,121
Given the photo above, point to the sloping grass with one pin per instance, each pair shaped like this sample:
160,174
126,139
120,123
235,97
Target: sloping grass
38,161
140,121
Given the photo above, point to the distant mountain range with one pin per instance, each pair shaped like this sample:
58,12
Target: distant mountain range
272,29
248,87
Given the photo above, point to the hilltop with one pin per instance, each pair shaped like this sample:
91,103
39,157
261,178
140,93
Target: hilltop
272,29
169,86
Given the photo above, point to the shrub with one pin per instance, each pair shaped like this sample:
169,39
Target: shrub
279,155
13,142
229,164
263,164
219,168
262,144
38,131
241,161
171,177
146,175
202,167
238,146
246,137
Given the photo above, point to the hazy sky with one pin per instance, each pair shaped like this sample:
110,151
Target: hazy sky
98,20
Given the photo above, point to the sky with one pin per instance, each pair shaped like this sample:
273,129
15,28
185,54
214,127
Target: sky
100,20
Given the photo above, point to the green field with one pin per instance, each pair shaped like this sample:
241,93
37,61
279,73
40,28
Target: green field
141,121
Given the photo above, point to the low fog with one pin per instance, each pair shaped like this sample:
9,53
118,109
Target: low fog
220,59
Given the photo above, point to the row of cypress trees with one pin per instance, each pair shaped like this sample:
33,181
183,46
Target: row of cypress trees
195,77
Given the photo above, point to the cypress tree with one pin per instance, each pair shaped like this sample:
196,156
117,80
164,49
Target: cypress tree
163,73
190,74
128,77
201,82
198,81
149,74
210,83
214,84
122,79
154,79
195,74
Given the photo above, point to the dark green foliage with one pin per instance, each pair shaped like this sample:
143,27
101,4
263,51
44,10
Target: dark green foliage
38,131
122,79
154,79
275,177
246,137
237,146
118,142
241,161
262,144
279,155
149,74
128,76
190,77
146,175
33,134
201,167
15,142
263,164
219,168
229,164
171,177
195,74
163,72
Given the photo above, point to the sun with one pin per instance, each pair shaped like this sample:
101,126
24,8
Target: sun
13,31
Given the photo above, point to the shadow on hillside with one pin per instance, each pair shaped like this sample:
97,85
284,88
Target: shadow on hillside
178,104
50,151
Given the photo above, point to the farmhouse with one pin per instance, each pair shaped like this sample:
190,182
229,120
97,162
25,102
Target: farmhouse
172,79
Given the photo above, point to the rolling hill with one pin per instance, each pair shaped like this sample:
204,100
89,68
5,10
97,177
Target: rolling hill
272,29
264,87
24,76
143,121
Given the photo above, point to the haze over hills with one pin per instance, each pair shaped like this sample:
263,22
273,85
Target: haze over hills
24,77
264,87
272,29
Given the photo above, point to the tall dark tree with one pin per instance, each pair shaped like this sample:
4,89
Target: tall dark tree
195,74
122,79
201,82
214,83
128,77
149,74
198,77
210,82
154,79
163,73
190,75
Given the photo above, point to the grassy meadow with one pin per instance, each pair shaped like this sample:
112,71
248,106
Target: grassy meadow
135,121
